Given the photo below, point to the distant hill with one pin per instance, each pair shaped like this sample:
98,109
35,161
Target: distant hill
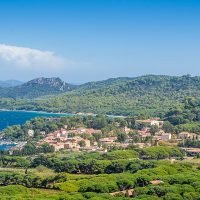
10,83
36,88
152,95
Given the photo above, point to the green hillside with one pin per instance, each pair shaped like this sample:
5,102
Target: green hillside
152,95
36,88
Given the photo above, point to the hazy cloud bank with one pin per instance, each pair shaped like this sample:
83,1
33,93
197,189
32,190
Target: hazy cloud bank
30,59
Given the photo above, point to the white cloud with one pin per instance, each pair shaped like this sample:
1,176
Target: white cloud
30,59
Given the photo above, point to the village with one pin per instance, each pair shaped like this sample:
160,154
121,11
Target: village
79,139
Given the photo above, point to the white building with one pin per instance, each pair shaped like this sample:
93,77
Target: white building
187,135
149,122
166,136
30,133
42,132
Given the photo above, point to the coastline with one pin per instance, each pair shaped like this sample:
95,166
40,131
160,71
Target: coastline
34,111
4,144
60,113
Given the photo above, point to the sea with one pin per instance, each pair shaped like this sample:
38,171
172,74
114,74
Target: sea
9,118
4,147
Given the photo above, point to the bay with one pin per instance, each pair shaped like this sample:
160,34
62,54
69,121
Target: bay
4,147
9,118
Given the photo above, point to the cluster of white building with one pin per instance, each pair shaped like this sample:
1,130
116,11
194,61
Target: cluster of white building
73,139
60,139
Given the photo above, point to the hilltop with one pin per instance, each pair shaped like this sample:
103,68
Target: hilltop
36,88
151,95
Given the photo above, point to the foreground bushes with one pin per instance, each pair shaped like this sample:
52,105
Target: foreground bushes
179,181
112,162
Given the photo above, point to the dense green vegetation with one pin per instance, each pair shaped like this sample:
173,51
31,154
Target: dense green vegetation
147,95
95,176
185,117
40,173
36,88
112,162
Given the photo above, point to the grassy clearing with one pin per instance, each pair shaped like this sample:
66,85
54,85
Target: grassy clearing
40,171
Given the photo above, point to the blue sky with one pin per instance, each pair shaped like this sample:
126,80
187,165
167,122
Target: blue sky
86,40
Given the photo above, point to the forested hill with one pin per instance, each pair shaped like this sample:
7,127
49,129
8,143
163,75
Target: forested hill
146,94
36,88
152,82
153,95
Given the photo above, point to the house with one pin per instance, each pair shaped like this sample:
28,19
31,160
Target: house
89,114
86,131
166,136
91,148
183,135
55,134
142,145
149,122
58,146
63,132
53,119
87,143
187,135
71,145
81,130
108,140
192,151
30,133
144,134
65,126
60,140
160,132
127,130
42,132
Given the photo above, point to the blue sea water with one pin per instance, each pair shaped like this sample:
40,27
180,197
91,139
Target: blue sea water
4,147
9,118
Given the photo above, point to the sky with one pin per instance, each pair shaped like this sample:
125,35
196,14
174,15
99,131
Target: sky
90,40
